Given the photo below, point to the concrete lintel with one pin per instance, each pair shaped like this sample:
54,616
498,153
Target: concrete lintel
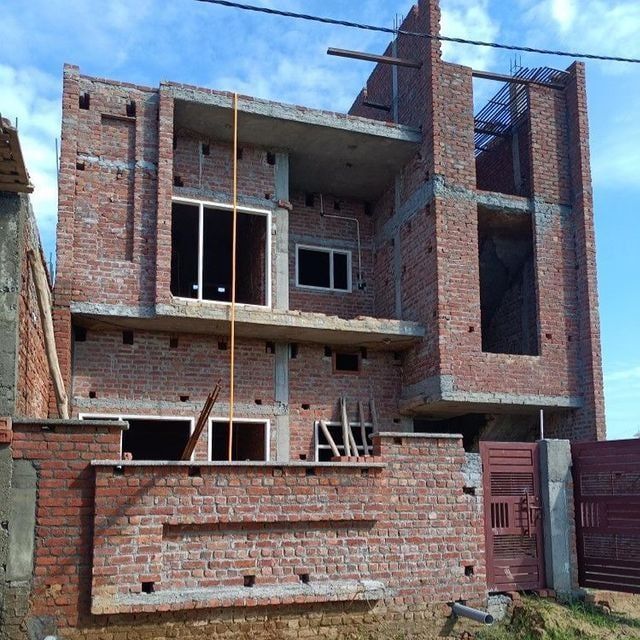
105,163
258,323
294,113
48,423
223,197
120,406
439,187
418,436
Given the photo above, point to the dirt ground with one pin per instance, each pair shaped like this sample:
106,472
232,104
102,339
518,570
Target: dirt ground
602,616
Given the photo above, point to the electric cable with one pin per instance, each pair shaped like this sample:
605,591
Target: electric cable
417,34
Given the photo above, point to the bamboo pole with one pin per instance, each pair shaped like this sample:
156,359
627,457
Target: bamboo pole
363,431
43,295
329,438
345,427
233,274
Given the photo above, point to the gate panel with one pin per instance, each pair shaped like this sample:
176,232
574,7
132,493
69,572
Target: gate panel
606,479
513,523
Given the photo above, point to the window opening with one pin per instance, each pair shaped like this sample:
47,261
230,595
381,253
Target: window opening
508,298
347,362
250,440
321,268
323,451
151,438
202,249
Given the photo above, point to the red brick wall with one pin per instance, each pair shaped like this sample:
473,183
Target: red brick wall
307,226
312,382
494,167
108,190
148,377
408,525
62,559
256,178
32,393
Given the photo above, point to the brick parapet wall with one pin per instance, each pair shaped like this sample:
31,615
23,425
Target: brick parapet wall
406,524
61,452
401,520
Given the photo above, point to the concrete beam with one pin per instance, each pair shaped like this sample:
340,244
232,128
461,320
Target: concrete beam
558,515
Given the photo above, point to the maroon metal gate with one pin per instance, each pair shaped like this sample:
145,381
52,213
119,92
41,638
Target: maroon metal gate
606,479
513,523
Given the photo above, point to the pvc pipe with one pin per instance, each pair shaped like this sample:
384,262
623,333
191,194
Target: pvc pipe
463,611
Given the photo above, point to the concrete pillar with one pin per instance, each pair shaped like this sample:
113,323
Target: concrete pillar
558,514
11,234
281,301
281,216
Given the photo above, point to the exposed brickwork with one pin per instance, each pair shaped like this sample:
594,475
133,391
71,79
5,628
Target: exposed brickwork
61,579
32,392
357,523
408,525
308,227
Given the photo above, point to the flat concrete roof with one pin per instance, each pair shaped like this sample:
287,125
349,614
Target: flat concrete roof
254,322
329,152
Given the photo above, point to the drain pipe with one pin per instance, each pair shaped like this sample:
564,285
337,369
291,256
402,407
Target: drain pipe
462,611
361,283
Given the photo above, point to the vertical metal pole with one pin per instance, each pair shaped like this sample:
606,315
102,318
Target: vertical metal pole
394,72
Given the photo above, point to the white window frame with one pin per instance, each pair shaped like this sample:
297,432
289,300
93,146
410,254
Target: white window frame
330,251
211,204
267,434
123,417
330,423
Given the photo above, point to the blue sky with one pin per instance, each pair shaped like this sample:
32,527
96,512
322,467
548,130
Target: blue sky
151,40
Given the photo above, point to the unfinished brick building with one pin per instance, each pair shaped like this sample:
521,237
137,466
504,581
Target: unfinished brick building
436,267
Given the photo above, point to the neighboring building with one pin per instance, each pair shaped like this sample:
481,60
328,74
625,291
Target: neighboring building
440,266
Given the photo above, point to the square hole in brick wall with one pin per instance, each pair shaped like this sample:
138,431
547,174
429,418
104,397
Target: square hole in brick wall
156,439
347,362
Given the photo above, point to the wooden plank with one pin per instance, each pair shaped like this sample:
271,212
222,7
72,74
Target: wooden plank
329,438
363,431
202,421
345,427
352,442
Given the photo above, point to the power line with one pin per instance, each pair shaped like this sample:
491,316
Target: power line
417,34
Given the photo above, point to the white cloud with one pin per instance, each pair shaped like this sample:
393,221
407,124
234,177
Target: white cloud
592,26
33,98
564,13
472,21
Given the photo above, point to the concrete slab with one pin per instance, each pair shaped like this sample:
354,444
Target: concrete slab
328,152
255,322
